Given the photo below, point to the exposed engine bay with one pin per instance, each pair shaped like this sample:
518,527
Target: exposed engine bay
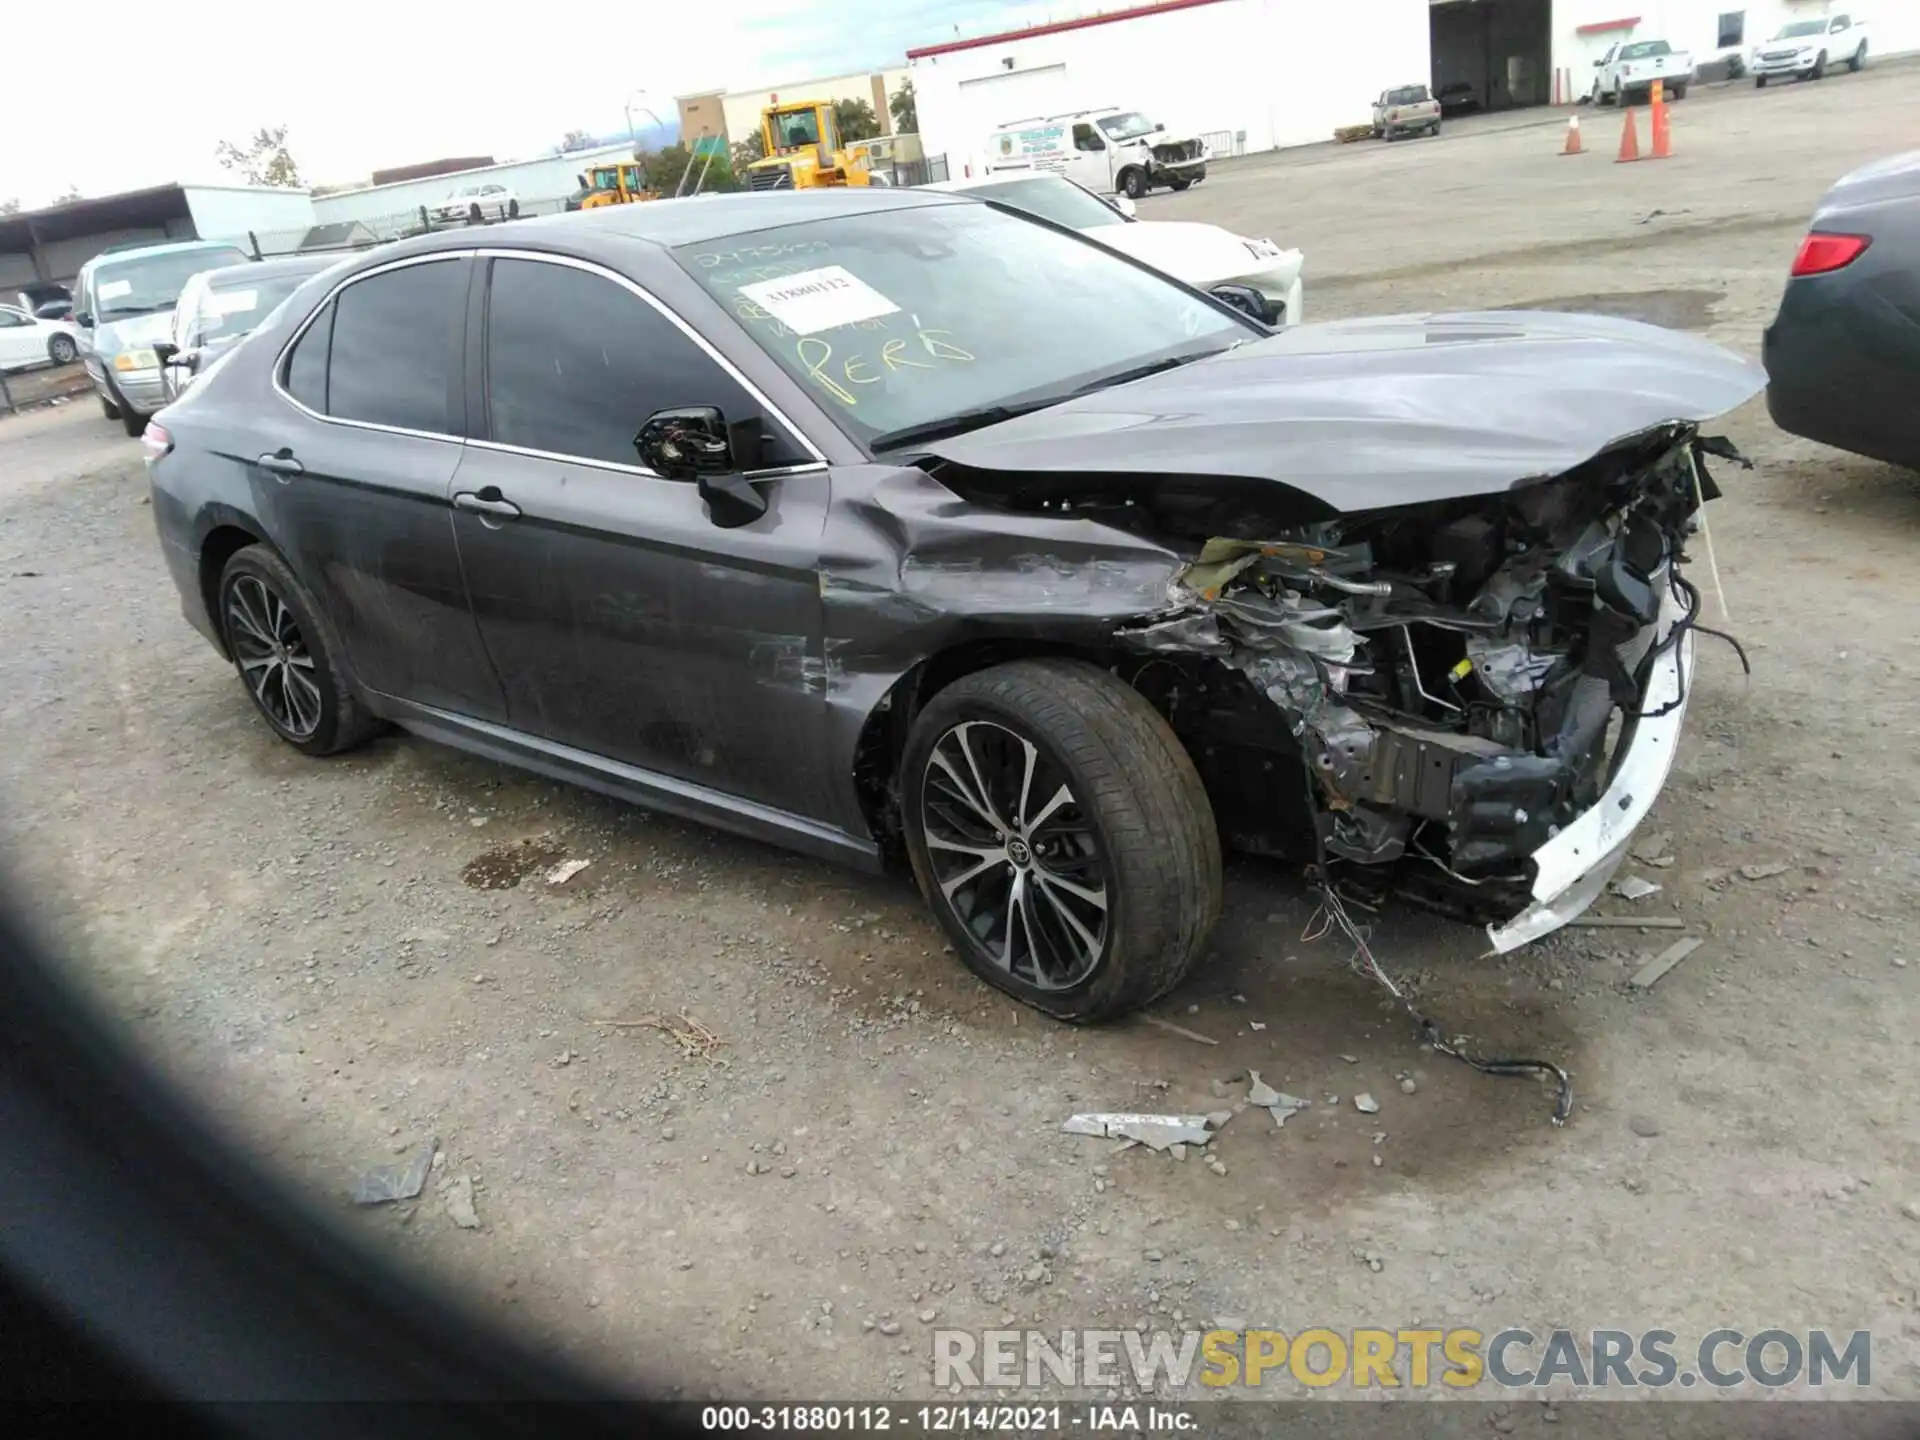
1459,679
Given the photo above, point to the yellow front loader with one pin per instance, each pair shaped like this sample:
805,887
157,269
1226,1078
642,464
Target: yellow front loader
623,184
803,150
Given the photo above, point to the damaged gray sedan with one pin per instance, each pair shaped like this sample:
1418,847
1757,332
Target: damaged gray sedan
898,528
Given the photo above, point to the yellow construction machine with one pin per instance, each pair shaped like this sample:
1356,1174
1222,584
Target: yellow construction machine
620,184
803,150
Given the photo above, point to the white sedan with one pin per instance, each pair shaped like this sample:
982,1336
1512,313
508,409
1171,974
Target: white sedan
1203,256
26,340
484,200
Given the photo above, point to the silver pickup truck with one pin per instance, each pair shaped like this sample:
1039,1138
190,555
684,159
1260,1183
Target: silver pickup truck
1406,110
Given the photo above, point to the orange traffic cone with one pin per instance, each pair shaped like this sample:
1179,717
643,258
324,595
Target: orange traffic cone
1573,146
1629,141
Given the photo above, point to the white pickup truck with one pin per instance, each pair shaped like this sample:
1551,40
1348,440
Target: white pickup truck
1803,49
1628,69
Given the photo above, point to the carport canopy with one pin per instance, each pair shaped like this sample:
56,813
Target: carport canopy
42,245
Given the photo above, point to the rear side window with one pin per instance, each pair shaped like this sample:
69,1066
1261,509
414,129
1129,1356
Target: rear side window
394,353
576,362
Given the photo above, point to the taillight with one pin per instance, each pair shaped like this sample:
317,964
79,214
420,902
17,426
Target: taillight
155,442
1821,254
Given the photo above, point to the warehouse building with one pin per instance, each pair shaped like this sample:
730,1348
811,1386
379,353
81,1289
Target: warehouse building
1252,75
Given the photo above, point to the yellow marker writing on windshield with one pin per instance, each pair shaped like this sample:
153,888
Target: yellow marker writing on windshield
815,360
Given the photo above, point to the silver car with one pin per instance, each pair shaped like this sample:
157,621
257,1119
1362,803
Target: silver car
220,308
123,303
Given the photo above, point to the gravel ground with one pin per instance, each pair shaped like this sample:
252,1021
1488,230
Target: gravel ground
343,958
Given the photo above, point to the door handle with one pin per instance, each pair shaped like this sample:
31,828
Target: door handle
281,463
487,505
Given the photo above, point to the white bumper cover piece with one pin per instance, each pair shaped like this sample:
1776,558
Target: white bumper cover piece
1575,865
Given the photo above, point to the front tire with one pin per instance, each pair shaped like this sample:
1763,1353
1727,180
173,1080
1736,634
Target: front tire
513,209
1819,71
1859,60
287,656
109,409
1062,837
1759,82
1180,184
62,351
1133,184
1680,92
134,423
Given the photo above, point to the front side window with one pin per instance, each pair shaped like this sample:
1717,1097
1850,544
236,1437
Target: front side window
1052,198
395,351
186,314
576,362
900,319
1085,137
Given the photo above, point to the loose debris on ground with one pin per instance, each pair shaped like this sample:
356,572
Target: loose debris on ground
1169,1133
696,1039
1646,975
400,1180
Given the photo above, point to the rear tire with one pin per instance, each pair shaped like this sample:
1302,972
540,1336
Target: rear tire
1054,774
1759,82
288,656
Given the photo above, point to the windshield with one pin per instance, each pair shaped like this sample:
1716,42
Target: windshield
1051,198
904,318
235,305
1801,27
1645,50
152,283
800,128
1407,95
1129,126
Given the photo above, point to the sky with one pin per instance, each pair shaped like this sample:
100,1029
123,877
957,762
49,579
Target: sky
361,86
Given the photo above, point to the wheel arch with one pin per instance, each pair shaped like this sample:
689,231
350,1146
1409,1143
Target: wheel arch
883,734
227,538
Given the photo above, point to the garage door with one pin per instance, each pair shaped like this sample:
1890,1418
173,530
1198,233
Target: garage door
990,102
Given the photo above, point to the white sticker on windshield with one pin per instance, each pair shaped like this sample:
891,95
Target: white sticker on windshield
816,300
234,302
114,289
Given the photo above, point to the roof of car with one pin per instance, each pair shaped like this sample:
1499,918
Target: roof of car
698,218
171,247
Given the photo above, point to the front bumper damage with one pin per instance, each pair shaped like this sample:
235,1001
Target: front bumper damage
1484,695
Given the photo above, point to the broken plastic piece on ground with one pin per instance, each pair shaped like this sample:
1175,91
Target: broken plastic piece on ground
1632,887
402,1180
1156,1132
566,870
1366,1104
1259,1092
1646,975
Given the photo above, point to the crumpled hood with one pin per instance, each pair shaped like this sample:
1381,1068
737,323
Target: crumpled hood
1393,410
1201,255
132,332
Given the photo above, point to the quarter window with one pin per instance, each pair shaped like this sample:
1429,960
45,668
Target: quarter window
307,366
575,364
395,349
1733,28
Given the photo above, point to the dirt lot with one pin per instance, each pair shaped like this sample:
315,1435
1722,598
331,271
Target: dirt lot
874,1149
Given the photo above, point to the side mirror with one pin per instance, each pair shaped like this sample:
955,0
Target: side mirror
1124,204
1158,128
1247,300
166,352
83,319
694,442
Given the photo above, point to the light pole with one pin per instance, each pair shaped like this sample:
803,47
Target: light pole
633,136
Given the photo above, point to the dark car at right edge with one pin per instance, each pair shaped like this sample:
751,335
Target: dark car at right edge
902,529
1842,356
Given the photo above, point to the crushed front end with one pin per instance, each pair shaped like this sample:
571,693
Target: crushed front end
1483,695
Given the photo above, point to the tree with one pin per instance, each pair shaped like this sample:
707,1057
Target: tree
669,165
753,148
905,110
263,160
72,194
10,206
855,120
575,140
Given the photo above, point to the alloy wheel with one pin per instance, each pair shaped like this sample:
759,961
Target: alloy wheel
1014,855
273,656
